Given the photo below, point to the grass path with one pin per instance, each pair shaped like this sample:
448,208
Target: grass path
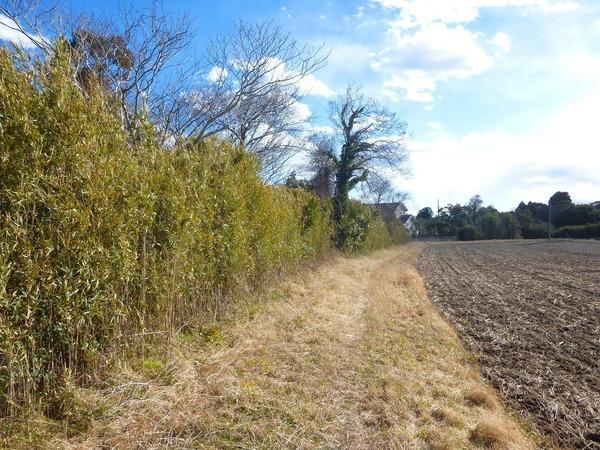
351,354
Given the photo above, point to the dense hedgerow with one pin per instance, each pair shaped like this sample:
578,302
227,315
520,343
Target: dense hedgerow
534,231
589,231
364,230
469,233
102,239
398,233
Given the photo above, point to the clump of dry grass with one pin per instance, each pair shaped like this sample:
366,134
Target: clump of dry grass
491,434
480,397
448,416
440,440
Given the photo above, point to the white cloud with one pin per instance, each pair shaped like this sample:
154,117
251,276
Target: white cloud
502,41
558,7
429,43
325,129
308,84
415,62
581,65
507,168
301,112
217,74
9,32
276,70
311,85
416,86
423,12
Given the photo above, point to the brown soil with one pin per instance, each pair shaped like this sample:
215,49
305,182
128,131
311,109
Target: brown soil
530,311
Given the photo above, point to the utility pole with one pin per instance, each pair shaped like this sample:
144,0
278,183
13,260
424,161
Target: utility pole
438,200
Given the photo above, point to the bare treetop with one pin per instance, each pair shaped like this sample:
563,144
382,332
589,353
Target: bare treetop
246,69
369,132
134,57
250,89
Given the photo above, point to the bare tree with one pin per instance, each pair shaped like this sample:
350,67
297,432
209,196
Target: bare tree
100,56
136,60
246,87
269,126
250,92
377,189
322,164
400,197
370,136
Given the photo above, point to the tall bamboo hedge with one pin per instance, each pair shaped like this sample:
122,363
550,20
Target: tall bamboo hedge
101,239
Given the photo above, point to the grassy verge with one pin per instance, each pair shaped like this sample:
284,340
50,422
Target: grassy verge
351,354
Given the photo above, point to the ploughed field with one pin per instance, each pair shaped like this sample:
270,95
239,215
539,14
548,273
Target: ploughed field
530,312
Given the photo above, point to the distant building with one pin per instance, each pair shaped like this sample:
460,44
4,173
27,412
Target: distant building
409,223
391,212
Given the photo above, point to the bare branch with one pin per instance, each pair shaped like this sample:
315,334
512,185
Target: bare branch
26,19
323,163
249,92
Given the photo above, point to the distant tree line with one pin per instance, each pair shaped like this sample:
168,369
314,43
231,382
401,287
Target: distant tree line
474,221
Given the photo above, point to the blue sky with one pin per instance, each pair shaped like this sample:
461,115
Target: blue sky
502,97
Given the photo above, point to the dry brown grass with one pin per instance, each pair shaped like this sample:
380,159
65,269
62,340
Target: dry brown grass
492,434
350,355
480,397
448,416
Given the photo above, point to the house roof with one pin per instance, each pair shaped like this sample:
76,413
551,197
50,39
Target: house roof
389,211
404,217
